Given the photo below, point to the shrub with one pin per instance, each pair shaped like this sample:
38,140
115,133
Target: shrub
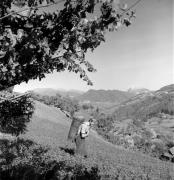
14,115
23,159
87,106
64,103
159,149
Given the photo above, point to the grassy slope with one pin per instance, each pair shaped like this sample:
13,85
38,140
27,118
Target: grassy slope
49,126
163,126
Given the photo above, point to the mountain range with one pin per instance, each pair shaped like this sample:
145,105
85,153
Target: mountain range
53,92
100,96
155,108
112,96
147,103
106,96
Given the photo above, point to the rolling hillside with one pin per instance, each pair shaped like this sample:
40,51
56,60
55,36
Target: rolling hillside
138,90
53,92
113,96
147,105
49,126
94,96
143,118
136,101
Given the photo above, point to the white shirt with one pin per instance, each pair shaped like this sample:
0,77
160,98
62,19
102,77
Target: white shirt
84,129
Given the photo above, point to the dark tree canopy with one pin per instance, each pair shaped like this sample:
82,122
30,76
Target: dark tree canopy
34,42
15,112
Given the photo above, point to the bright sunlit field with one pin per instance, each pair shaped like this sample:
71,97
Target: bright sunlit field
49,126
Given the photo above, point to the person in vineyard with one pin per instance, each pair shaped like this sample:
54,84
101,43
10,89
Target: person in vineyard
82,134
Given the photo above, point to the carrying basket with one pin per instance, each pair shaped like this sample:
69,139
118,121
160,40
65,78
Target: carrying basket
76,122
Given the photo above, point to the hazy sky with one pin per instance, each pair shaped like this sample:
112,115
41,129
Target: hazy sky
137,56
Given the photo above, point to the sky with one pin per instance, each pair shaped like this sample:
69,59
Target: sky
140,56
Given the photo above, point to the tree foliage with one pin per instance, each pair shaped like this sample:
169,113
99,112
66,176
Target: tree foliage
14,115
66,104
34,42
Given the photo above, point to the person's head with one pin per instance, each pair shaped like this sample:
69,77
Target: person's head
91,120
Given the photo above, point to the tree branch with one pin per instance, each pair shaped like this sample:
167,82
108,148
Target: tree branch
31,8
14,98
133,5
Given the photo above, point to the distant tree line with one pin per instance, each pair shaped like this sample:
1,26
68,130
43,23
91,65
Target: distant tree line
64,103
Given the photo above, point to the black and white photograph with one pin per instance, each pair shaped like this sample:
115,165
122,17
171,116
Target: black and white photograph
86,90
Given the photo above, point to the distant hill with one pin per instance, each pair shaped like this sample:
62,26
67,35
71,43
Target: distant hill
100,96
53,92
155,109
114,96
168,88
138,91
146,117
143,106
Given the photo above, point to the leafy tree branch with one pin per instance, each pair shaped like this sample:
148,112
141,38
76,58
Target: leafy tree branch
52,41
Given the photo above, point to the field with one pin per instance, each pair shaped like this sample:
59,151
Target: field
163,125
49,126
